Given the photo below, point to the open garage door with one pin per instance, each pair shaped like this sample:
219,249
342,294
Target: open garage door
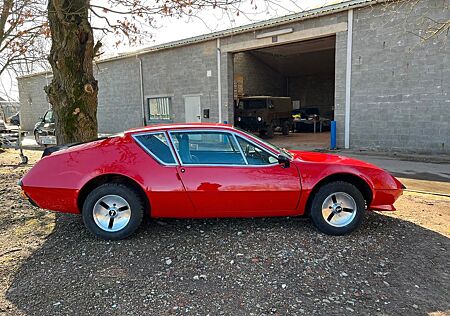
301,72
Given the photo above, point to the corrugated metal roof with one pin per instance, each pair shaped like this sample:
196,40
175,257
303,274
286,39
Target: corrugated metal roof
308,14
329,9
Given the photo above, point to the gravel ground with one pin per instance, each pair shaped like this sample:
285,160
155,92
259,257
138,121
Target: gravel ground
396,264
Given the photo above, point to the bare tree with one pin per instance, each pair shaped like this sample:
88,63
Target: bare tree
73,90
23,29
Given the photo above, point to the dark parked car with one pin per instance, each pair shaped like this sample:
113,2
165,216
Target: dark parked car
15,119
264,114
44,129
3,128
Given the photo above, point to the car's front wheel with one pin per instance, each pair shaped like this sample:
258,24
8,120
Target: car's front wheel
113,211
337,208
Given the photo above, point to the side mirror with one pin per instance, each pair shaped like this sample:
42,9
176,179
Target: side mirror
282,159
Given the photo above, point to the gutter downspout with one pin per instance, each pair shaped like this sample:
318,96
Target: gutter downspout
141,81
219,81
348,78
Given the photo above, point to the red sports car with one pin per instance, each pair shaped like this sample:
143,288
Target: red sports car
200,171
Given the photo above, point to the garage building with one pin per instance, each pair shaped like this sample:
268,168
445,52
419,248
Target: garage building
362,63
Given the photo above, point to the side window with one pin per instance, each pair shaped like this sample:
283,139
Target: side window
212,148
157,145
254,154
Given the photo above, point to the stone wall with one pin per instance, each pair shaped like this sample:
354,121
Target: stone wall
400,84
259,78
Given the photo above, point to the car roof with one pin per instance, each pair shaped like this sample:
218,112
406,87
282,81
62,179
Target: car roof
173,126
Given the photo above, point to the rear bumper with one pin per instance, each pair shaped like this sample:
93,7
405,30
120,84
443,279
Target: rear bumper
54,199
25,195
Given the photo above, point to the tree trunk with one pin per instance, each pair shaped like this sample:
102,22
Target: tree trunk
73,90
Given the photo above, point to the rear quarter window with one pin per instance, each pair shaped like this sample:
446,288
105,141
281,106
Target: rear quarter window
157,145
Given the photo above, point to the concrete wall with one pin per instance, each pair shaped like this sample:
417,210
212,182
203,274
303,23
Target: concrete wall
400,85
259,78
171,73
33,100
313,91
174,73
119,96
184,71
400,92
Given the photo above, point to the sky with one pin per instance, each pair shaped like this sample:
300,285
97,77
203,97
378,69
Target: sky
172,29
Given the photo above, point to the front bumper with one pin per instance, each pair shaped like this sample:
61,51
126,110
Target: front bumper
383,200
250,123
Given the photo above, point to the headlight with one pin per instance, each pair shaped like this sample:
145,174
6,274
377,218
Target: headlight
239,119
259,118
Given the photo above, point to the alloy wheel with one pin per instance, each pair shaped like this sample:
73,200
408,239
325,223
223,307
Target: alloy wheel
339,209
111,213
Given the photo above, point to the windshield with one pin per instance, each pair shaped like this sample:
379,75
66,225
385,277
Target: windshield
276,148
48,117
252,104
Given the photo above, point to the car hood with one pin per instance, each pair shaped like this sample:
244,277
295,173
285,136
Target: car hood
316,157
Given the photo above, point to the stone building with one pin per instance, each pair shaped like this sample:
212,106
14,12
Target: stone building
362,63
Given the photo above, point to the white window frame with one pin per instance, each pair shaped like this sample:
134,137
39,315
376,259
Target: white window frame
169,108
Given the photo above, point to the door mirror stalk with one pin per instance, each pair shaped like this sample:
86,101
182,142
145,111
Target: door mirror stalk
282,159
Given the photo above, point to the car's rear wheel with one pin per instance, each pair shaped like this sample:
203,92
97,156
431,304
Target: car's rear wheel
113,211
337,208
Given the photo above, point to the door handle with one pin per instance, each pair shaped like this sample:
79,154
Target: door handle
182,170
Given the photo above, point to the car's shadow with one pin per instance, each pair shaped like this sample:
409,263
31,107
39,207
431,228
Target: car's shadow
235,267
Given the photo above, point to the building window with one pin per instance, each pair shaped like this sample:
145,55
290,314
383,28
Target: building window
159,108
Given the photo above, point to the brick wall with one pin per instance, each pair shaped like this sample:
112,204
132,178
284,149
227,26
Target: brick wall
259,78
33,100
400,85
313,91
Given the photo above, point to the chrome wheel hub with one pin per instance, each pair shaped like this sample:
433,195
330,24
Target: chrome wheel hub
339,209
112,213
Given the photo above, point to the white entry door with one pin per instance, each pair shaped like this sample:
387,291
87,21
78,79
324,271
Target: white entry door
192,109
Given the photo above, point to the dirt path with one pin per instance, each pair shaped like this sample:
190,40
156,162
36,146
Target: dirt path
396,264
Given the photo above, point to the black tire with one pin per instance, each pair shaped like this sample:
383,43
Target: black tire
136,206
325,193
36,138
285,128
270,131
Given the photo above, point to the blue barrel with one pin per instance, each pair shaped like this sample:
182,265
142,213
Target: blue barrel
333,135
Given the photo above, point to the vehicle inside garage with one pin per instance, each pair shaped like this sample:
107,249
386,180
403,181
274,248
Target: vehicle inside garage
302,73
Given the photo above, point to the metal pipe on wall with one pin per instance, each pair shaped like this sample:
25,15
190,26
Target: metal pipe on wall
141,81
348,79
219,81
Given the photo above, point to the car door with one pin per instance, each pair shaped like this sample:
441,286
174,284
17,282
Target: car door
228,175
166,192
